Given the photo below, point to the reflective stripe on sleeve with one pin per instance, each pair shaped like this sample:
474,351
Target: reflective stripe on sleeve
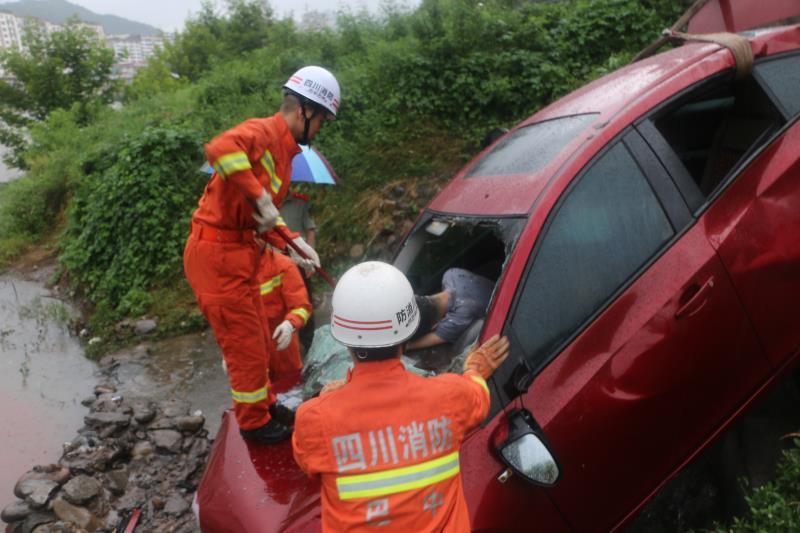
269,165
398,479
482,382
270,285
249,397
302,313
231,163
280,222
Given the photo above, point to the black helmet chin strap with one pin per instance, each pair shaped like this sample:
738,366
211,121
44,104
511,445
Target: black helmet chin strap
305,140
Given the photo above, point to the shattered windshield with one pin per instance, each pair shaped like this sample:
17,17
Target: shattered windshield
442,253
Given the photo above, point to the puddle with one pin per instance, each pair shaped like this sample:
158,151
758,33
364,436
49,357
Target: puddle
43,377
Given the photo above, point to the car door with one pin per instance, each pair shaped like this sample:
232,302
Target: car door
762,249
638,343
745,180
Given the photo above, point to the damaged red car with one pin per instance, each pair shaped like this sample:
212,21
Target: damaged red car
643,235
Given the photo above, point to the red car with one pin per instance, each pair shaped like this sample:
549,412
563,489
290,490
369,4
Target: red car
644,235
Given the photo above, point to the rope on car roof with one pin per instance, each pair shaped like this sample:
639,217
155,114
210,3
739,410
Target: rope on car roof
738,45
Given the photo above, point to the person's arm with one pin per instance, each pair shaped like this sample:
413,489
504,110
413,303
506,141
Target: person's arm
308,445
426,341
229,152
479,366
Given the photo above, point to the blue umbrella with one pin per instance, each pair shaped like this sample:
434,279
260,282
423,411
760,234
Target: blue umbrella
309,166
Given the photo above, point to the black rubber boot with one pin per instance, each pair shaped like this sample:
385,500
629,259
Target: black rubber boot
282,414
272,432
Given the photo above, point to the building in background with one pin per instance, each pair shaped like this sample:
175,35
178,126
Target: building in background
131,52
10,31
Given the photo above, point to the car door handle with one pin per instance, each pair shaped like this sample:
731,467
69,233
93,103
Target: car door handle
697,301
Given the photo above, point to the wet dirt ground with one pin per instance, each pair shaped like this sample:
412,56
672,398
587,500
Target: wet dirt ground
186,368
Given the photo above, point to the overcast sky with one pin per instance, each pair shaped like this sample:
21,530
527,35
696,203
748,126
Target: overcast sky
169,15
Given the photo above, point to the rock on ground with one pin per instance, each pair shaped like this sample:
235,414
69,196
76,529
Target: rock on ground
131,454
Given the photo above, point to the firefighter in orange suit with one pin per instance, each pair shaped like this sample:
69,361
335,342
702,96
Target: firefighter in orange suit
252,164
386,443
286,308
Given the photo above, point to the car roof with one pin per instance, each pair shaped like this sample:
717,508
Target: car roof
617,100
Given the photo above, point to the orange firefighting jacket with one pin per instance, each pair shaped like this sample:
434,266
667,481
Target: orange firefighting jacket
257,154
386,446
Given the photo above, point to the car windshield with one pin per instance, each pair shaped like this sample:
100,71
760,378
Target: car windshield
530,148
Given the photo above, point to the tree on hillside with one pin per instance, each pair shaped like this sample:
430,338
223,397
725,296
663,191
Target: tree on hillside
54,71
209,37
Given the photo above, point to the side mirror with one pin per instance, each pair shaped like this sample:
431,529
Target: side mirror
525,452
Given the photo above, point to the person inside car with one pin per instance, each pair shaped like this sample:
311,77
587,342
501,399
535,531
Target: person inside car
447,314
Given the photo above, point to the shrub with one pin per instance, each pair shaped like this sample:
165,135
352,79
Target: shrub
776,505
129,218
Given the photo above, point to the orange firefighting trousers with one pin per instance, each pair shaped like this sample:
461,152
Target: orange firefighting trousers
221,268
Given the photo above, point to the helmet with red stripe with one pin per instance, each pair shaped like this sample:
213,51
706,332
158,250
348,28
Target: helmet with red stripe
373,307
317,85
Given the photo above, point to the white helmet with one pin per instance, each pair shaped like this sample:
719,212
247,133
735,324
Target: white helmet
373,307
318,85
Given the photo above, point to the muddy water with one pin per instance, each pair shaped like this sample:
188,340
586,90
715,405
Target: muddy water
43,378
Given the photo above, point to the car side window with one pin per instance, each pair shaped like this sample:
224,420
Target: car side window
782,77
717,126
605,229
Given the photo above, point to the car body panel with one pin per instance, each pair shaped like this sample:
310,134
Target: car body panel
755,224
496,506
608,402
255,488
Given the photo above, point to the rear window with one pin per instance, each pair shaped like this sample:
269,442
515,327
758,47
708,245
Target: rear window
530,148
782,76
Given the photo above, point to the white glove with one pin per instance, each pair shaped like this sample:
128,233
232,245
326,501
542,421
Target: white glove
306,264
266,214
283,335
